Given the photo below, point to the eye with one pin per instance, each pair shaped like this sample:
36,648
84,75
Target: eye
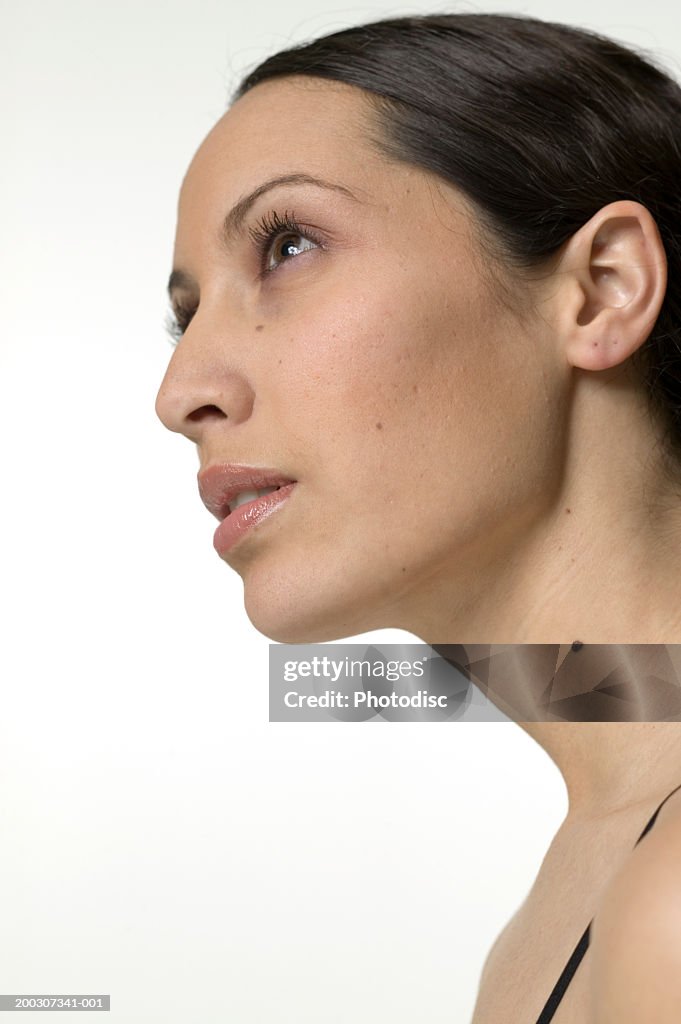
273,228
269,229
177,321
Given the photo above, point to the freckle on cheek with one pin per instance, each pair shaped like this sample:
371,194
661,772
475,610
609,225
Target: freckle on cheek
260,327
379,426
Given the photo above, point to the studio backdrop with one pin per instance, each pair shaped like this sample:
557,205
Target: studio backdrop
163,841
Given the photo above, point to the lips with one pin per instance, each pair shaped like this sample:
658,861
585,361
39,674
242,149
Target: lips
220,484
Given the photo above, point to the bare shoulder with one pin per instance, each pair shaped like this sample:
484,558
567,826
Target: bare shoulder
636,935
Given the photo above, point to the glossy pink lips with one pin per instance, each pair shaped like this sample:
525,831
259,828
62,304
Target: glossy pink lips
246,516
220,484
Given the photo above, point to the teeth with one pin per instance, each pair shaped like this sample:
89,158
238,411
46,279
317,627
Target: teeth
245,496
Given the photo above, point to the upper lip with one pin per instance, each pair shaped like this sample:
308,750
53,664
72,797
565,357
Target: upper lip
220,483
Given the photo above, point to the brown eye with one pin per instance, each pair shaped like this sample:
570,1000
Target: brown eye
287,245
273,228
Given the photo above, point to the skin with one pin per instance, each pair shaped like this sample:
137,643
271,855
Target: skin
496,476
474,460
467,467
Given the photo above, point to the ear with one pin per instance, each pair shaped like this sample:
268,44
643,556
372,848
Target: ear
612,280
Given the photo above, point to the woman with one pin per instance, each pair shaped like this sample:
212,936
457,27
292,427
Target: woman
427,284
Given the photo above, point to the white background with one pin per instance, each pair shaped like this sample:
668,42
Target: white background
160,840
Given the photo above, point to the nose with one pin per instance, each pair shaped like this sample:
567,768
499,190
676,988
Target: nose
202,388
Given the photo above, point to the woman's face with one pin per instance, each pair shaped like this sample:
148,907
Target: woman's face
375,365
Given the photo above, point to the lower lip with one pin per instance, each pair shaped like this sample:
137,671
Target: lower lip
239,522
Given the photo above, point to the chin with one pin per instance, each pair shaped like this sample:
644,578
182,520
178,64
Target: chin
288,618
284,626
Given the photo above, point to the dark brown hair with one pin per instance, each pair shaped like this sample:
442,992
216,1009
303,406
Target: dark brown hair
539,125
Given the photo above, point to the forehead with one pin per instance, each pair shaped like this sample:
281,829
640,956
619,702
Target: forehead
323,129
294,123
302,123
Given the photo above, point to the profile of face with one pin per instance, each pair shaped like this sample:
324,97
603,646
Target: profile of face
365,354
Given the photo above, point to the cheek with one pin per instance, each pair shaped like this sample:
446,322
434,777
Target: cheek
414,412
415,376
410,419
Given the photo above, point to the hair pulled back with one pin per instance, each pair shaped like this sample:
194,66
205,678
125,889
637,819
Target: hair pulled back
539,125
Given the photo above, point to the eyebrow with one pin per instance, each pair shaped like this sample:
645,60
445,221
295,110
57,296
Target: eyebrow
234,220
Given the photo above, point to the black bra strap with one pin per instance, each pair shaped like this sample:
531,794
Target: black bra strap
566,977
580,949
652,820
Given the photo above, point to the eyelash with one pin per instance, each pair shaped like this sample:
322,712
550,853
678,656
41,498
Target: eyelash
270,227
263,234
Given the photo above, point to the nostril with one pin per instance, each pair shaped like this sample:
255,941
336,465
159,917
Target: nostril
204,412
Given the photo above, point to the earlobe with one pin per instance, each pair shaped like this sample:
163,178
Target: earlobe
617,266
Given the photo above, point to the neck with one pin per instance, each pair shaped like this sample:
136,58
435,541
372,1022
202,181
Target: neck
607,715
611,768
602,530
